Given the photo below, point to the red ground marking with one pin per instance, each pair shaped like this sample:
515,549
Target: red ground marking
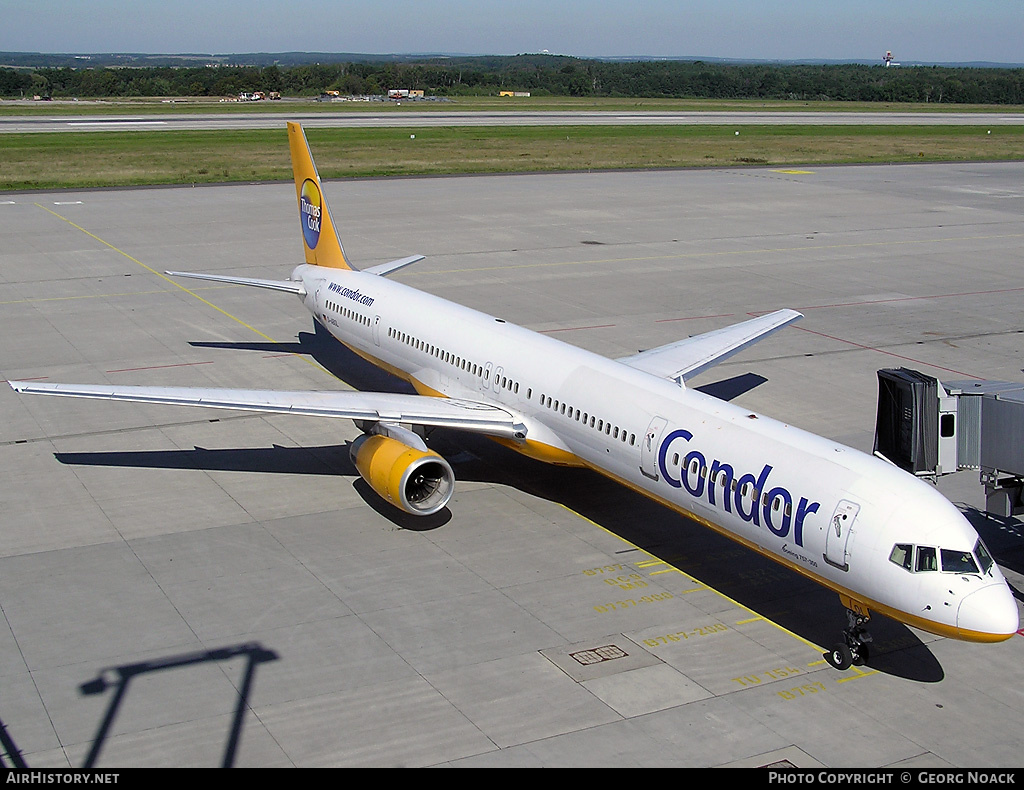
158,367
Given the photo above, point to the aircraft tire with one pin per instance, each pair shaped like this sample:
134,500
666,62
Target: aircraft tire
841,657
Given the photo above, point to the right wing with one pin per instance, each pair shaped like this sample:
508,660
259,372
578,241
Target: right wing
684,359
370,406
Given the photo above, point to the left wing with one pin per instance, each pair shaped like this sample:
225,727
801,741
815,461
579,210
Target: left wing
370,406
684,359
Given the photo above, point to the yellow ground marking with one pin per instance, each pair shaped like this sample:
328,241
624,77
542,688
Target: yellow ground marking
795,172
113,295
856,673
176,284
654,560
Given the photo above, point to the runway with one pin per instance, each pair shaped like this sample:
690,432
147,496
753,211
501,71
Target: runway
392,116
184,588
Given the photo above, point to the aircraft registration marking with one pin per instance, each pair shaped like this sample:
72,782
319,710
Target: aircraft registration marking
627,582
632,602
604,569
768,676
803,691
679,636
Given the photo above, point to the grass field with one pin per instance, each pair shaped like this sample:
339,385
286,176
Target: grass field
85,159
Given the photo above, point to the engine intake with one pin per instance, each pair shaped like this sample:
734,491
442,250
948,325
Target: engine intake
417,481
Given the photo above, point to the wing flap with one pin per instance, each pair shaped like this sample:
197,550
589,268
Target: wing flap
370,406
684,359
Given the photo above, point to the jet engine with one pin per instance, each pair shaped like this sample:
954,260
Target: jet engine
418,481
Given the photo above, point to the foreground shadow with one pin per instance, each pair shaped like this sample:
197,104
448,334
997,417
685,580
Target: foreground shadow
119,679
10,755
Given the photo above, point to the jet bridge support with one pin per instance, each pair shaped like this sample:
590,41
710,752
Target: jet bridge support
932,428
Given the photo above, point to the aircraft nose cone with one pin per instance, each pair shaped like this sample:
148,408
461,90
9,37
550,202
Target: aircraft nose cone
988,615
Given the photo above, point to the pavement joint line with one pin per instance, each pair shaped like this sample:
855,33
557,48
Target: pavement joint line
704,586
177,285
36,299
718,254
883,351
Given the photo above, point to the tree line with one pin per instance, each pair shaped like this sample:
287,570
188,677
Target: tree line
541,75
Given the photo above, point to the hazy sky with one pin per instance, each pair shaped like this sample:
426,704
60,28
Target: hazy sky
915,30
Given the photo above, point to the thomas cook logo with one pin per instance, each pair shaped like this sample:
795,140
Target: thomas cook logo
310,211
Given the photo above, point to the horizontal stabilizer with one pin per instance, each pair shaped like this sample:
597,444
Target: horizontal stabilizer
369,406
393,266
684,359
289,286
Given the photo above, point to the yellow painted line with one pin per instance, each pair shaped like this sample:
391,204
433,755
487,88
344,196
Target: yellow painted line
113,295
856,674
720,594
795,172
707,586
176,284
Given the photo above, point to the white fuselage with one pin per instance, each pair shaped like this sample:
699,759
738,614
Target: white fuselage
827,511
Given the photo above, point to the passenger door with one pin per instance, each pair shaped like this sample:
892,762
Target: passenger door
838,535
649,447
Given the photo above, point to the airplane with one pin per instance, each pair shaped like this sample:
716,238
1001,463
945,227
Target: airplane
882,539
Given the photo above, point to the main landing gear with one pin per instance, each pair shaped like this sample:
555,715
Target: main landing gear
853,650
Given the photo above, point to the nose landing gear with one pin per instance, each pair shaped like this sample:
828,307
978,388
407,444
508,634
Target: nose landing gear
853,650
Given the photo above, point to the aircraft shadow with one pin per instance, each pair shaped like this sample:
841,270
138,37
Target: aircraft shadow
780,595
330,460
783,596
1002,536
729,389
118,680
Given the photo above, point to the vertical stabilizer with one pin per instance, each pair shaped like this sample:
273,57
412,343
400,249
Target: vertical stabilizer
319,235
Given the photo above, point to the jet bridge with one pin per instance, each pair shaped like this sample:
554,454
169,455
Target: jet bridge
932,428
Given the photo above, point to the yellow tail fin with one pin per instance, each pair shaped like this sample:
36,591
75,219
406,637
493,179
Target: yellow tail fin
319,235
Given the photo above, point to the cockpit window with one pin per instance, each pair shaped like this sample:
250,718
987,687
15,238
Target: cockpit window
984,558
958,561
903,555
919,559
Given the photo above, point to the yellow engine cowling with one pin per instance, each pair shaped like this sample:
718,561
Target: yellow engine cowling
419,482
